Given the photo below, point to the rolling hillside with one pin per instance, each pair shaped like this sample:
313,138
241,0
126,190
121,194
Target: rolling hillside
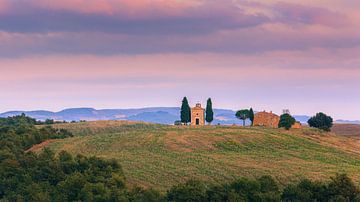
160,156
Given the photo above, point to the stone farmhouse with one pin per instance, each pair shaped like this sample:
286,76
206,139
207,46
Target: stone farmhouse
271,120
197,115
267,119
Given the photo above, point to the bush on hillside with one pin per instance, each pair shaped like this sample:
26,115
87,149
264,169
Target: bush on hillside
286,121
192,190
321,121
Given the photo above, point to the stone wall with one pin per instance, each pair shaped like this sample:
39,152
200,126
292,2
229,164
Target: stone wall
297,125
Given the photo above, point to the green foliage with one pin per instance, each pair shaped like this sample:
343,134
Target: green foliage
286,121
44,177
185,113
243,115
145,195
251,116
20,133
340,188
262,189
209,111
191,191
342,185
177,123
268,184
17,121
321,121
49,121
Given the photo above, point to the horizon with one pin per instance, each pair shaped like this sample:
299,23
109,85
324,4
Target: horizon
273,55
136,108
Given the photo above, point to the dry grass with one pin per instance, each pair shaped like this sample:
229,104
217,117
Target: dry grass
161,156
39,147
352,130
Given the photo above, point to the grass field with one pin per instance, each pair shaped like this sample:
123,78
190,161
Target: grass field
350,130
160,156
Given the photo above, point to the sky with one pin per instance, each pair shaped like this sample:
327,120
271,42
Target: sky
301,55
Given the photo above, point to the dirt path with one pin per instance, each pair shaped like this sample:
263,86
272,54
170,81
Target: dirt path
40,146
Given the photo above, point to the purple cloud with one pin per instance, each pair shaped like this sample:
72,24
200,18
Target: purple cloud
295,13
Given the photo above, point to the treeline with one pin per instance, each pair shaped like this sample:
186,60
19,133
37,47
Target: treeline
52,121
63,177
20,133
25,176
339,188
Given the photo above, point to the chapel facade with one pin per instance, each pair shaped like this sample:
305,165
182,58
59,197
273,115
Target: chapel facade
197,115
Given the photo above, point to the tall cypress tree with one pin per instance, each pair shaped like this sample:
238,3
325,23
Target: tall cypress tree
209,111
251,116
185,113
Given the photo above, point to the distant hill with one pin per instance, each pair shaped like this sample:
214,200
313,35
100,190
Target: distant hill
347,121
162,115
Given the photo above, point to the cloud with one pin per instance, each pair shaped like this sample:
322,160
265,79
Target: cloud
295,13
125,17
110,27
159,17
251,40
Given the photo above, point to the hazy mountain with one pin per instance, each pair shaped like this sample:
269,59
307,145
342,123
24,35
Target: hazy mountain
154,117
164,115
347,121
302,118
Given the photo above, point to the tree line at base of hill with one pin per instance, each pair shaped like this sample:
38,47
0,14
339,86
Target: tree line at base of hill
26,176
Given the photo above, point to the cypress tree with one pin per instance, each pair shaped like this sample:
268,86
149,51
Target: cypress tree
209,112
185,113
251,116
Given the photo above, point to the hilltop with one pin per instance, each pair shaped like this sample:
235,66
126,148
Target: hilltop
160,156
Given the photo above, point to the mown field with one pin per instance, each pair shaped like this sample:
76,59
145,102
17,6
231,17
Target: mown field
350,130
160,156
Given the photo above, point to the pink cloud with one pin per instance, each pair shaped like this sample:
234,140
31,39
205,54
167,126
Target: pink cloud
310,15
133,9
4,6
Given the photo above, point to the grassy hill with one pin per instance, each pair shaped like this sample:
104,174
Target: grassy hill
160,156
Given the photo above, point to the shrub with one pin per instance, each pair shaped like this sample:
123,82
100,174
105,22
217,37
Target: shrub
192,190
145,195
321,121
286,121
342,185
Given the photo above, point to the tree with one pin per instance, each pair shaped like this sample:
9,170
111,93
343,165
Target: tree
192,190
209,112
321,121
243,115
185,113
251,116
286,121
342,185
